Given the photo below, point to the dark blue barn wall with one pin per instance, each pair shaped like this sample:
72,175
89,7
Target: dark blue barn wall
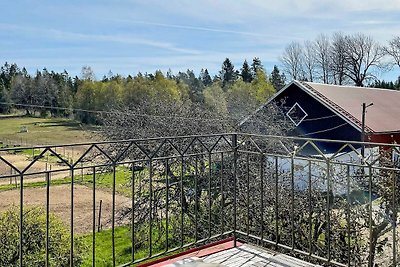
315,125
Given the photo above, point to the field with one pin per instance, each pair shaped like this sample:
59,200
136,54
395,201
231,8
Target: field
43,131
60,204
64,131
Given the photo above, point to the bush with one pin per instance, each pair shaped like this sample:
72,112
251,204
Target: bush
34,239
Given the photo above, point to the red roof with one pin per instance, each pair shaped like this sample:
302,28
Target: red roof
382,116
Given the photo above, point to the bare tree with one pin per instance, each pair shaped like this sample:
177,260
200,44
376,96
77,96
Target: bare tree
362,56
158,119
322,45
337,57
393,49
310,62
292,60
87,73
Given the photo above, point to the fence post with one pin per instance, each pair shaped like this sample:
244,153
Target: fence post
99,219
235,156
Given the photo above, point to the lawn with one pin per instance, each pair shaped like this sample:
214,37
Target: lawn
43,131
123,245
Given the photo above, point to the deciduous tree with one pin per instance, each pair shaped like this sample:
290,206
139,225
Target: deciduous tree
322,51
310,62
292,60
337,58
393,50
363,56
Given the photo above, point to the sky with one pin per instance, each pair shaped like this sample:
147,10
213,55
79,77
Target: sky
132,35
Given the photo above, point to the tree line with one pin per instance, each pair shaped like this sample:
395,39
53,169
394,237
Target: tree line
47,92
341,59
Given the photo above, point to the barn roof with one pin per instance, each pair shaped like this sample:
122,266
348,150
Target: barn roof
383,116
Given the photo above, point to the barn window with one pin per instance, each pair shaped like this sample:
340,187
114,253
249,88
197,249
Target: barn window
296,114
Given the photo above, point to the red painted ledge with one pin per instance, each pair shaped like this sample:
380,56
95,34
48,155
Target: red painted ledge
194,252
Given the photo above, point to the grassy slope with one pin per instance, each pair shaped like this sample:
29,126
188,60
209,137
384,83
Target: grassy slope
43,130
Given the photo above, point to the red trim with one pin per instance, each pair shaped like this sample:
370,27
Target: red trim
189,251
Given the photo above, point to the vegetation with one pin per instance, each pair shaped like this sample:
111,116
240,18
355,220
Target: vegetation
103,252
123,243
86,99
34,236
103,181
43,130
341,59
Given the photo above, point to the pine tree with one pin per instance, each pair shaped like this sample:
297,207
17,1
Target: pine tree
277,79
195,87
255,66
4,97
228,73
205,77
246,72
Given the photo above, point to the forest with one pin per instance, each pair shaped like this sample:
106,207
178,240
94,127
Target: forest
85,98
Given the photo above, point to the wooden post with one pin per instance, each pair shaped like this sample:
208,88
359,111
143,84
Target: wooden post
99,219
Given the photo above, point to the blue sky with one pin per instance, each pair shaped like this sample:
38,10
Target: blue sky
131,36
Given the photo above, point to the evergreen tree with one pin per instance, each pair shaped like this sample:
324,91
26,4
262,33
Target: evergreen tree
246,72
7,74
4,99
277,79
195,87
255,66
170,74
205,77
216,79
228,73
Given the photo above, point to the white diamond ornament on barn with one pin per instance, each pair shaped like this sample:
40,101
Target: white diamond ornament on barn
296,114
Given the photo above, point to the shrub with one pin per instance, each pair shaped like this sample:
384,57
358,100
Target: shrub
34,239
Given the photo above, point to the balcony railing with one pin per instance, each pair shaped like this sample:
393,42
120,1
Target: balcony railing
316,199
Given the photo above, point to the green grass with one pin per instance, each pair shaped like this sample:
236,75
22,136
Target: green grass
103,181
43,130
123,245
29,152
5,187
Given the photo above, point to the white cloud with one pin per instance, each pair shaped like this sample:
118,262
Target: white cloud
115,38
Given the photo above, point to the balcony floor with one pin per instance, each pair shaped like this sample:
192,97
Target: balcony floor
248,255
243,255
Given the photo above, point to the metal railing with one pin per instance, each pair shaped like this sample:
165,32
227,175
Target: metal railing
168,194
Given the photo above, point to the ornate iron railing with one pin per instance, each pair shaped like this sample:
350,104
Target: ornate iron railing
316,199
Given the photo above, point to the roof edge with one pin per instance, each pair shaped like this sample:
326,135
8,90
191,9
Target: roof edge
266,103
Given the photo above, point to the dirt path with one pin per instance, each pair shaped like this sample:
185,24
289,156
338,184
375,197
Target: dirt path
60,204
21,161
